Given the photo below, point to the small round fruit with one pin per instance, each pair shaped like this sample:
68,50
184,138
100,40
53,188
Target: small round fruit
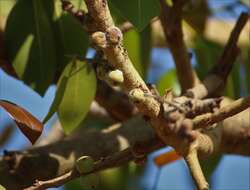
84,164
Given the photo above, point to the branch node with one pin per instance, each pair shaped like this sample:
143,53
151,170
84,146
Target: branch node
136,95
114,35
99,40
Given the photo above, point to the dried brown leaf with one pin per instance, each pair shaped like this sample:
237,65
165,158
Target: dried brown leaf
30,126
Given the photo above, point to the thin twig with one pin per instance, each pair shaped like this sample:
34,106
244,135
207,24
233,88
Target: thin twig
234,108
114,160
215,81
196,171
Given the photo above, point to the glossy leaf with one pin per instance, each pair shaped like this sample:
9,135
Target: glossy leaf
69,35
58,98
27,123
167,81
139,48
138,12
78,94
30,44
75,40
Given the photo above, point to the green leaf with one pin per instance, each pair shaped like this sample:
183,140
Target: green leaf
237,85
2,188
229,89
5,7
138,12
79,4
139,48
209,165
207,53
167,81
30,44
73,185
245,2
90,181
58,98
69,35
78,94
169,3
75,40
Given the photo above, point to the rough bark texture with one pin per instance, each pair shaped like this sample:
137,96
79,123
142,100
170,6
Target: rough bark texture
20,168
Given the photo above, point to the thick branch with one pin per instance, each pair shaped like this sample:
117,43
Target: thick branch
21,169
117,159
53,160
171,19
115,102
116,54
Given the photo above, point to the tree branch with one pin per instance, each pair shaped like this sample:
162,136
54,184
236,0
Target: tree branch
171,19
19,169
196,171
216,79
115,102
53,160
117,159
232,109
